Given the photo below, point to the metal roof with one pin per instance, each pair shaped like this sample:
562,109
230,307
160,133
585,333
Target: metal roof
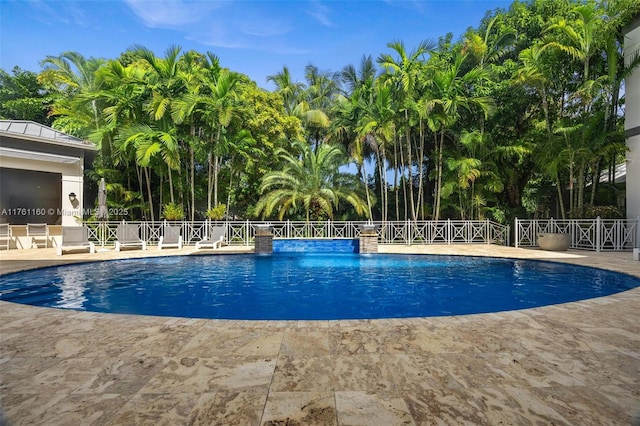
619,173
635,23
30,130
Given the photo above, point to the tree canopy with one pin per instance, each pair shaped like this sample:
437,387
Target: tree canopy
519,117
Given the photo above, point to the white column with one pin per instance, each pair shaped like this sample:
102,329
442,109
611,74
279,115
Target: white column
71,211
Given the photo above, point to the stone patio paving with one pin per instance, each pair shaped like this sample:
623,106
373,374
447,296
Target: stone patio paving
576,363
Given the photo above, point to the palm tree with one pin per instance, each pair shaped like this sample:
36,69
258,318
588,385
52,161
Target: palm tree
238,146
314,110
533,72
74,76
123,95
149,143
312,184
215,102
583,36
349,112
364,76
449,94
163,82
377,127
162,78
289,90
491,47
404,74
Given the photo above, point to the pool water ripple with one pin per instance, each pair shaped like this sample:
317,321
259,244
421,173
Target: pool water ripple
298,286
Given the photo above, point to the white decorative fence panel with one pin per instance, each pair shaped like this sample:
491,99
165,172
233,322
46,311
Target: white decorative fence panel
243,232
586,234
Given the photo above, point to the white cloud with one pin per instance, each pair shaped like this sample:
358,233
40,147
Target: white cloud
235,40
172,13
227,25
54,13
264,28
320,12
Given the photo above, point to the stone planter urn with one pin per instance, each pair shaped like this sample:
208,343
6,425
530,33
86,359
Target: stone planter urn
554,241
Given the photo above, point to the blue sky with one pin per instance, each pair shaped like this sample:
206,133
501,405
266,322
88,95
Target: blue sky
256,38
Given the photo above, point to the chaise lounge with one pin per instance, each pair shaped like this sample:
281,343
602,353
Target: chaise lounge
75,237
38,231
170,237
129,236
213,238
5,235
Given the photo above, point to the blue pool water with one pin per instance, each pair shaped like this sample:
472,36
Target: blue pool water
309,286
337,245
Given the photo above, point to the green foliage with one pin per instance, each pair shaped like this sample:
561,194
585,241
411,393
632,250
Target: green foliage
173,211
592,212
311,184
217,212
519,116
23,97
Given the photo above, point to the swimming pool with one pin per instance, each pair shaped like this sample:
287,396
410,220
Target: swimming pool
322,286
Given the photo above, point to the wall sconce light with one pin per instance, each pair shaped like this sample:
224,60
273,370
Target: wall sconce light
72,197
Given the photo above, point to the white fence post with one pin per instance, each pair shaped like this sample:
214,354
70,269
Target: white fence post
598,234
488,234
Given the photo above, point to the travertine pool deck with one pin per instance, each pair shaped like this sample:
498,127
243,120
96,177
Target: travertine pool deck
576,363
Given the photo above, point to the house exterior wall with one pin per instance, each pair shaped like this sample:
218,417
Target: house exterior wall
18,152
632,120
71,179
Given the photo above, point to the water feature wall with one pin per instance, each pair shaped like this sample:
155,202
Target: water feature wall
316,245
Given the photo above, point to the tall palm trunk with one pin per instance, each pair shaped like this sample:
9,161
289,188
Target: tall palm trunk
563,212
150,200
383,182
439,172
571,185
192,178
366,187
395,178
596,168
209,179
421,171
410,164
216,169
404,182
140,176
193,173
210,172
581,184
170,185
229,193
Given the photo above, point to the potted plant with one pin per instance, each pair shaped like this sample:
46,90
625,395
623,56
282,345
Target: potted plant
217,212
172,211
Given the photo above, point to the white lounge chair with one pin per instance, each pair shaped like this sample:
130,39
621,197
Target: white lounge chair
75,237
38,231
170,237
5,235
129,236
214,238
